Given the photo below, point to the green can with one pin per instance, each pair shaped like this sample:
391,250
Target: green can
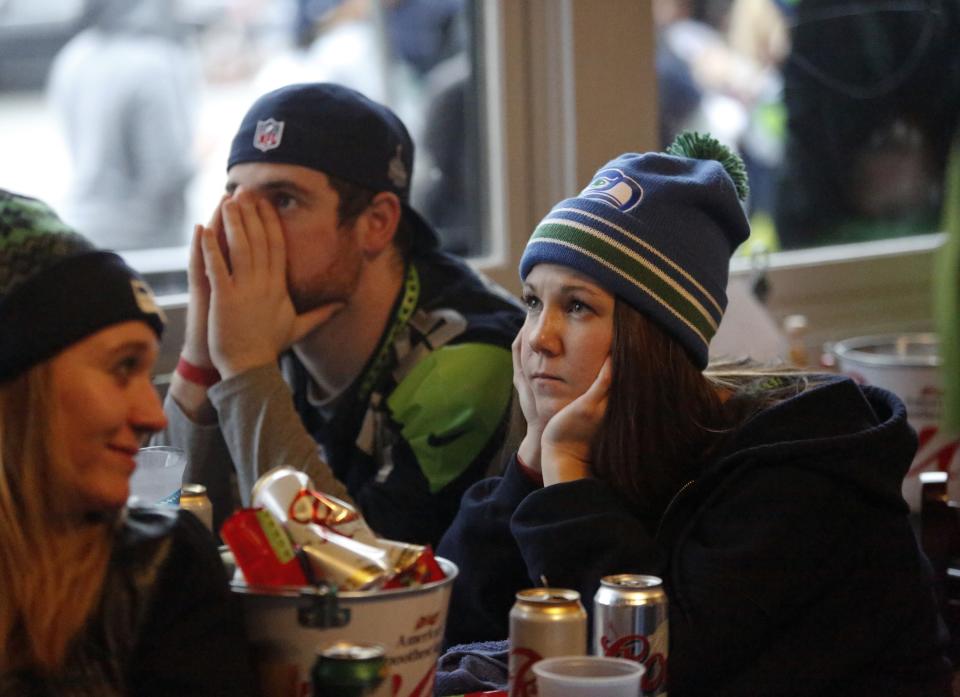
348,669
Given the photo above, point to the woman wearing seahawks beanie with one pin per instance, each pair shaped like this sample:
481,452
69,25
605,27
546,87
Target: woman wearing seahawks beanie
95,599
769,504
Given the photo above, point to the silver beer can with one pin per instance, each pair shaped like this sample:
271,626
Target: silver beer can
193,498
544,622
630,621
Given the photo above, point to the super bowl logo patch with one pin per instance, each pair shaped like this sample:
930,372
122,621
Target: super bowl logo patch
615,188
268,135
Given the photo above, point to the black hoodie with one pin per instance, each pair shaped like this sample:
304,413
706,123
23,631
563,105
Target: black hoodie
789,564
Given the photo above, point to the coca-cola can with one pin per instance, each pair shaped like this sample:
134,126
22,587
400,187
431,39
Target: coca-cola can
630,621
544,622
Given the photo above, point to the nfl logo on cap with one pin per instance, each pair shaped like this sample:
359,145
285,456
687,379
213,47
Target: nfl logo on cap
268,135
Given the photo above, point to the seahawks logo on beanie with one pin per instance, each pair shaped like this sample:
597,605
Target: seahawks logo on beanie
616,188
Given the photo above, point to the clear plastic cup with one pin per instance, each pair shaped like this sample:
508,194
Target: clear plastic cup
158,476
597,676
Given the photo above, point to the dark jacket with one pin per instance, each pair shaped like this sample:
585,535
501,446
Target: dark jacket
789,564
167,623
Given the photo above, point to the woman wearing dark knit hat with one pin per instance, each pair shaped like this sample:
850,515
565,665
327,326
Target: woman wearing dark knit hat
96,599
769,504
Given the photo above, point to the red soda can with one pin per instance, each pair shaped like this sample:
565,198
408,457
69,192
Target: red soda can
630,621
544,622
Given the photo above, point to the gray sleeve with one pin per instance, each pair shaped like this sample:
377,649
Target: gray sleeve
208,460
262,430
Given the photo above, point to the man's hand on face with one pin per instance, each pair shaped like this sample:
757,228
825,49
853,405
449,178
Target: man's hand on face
251,318
195,347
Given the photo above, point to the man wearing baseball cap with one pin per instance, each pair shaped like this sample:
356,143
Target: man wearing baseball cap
326,330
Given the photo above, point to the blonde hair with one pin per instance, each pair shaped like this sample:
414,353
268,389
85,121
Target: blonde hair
53,562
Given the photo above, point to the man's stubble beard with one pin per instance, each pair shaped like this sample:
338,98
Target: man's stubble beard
337,283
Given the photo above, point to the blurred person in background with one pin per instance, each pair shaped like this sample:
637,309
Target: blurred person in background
447,190
757,31
424,33
718,70
334,41
449,177
327,332
97,600
872,95
125,90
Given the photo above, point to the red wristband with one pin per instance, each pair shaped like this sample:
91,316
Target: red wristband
196,374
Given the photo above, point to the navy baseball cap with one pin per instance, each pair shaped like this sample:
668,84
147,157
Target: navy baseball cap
338,131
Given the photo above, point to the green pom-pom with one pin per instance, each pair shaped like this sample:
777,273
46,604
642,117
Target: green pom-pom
703,146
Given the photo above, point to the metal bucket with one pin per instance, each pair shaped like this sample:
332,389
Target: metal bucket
909,366
287,624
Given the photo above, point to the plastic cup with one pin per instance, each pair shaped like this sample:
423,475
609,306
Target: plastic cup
158,476
597,676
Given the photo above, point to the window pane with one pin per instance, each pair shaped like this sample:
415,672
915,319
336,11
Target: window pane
843,110
120,112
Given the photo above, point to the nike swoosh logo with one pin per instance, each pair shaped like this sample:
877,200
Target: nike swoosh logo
435,441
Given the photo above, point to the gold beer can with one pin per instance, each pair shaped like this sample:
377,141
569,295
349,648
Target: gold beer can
544,622
193,498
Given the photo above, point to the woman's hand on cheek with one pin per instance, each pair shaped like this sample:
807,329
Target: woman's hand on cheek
567,441
529,450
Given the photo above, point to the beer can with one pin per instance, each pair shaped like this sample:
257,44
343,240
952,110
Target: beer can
630,621
193,498
544,622
348,669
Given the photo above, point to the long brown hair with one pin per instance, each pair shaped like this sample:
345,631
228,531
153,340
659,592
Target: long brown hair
664,417
53,562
